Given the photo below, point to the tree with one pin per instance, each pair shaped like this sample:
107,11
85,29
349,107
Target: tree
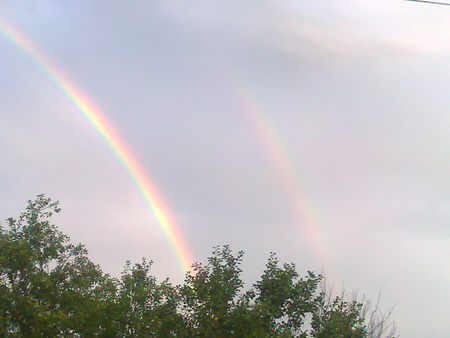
338,319
283,300
211,302
280,304
50,288
146,308
346,316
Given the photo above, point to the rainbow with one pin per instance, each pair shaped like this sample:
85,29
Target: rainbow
303,208
100,123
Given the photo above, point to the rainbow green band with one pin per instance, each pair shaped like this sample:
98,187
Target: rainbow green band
305,212
101,124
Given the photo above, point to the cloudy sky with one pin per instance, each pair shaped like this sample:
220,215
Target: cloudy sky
318,130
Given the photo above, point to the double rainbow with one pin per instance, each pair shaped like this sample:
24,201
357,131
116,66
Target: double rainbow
98,120
277,152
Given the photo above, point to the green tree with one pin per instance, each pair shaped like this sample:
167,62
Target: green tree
146,308
211,296
48,286
280,305
338,319
282,300
347,316
276,306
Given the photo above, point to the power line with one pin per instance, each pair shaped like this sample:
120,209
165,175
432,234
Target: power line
431,2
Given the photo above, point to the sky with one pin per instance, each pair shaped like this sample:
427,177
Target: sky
317,130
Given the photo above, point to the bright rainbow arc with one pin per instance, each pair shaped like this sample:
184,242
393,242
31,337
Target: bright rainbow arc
98,120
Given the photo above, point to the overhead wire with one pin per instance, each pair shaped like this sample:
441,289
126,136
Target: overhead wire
431,2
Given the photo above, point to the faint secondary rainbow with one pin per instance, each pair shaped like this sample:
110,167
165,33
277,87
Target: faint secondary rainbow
303,207
101,124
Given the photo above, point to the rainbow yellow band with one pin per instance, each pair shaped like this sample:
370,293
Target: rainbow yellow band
99,121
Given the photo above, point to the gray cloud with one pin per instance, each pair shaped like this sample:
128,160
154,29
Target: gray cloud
355,94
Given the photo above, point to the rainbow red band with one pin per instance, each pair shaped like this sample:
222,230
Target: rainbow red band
302,206
101,124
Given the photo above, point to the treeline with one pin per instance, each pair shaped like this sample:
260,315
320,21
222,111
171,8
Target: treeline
50,288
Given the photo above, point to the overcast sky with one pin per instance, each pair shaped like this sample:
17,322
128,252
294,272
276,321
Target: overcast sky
318,130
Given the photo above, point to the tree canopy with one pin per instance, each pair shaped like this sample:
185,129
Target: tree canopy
50,288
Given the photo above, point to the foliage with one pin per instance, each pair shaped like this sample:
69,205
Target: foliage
210,295
50,288
283,299
340,318
146,308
